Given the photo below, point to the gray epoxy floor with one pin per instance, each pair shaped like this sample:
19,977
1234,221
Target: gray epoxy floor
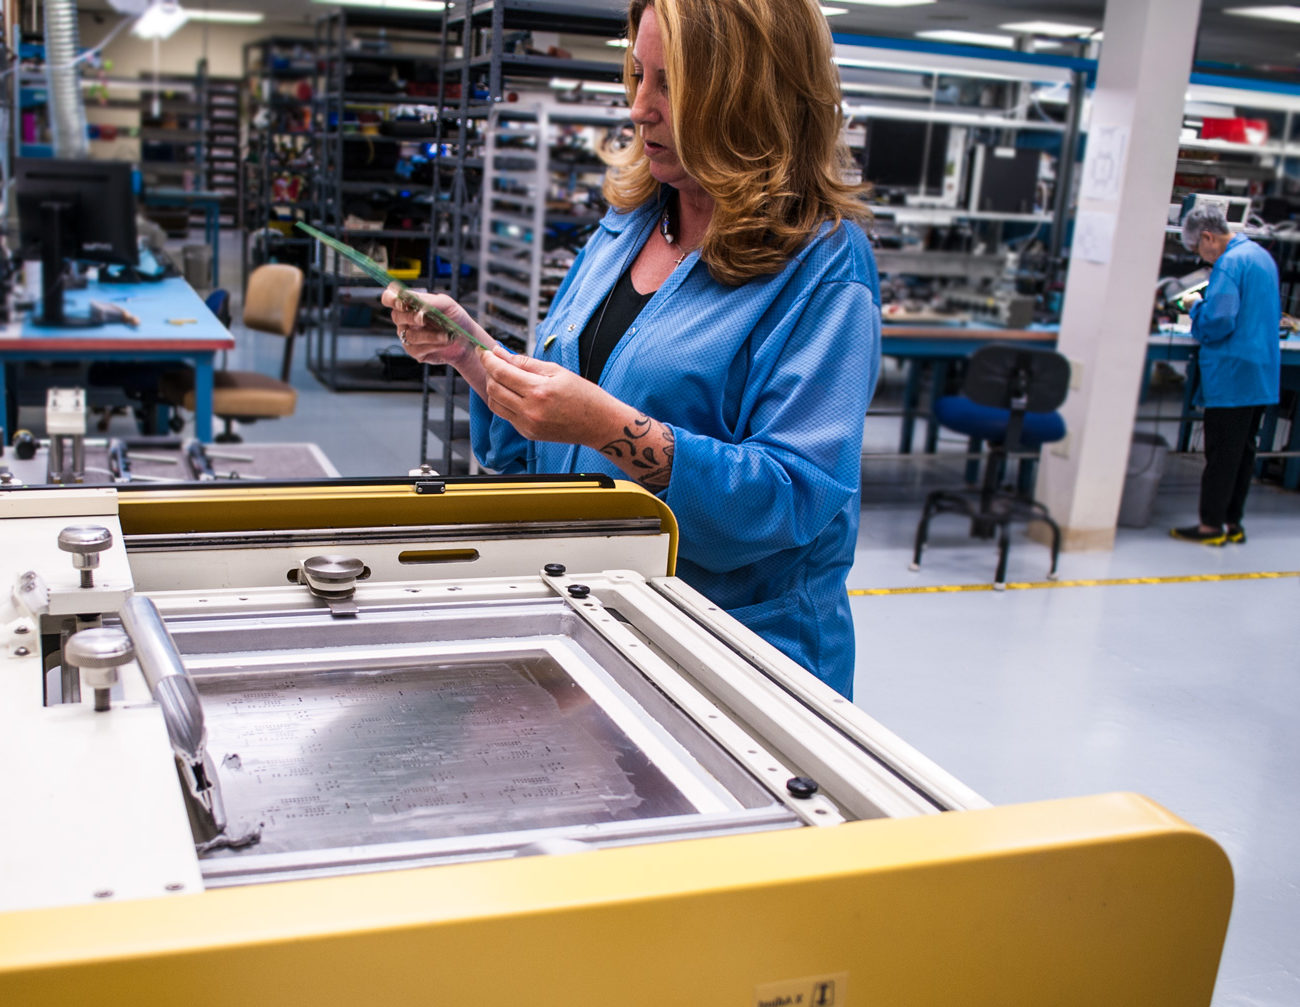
1185,692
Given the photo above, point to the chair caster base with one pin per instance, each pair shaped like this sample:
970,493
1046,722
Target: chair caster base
999,586
1053,576
914,567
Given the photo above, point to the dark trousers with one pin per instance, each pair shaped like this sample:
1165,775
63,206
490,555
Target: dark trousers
1230,434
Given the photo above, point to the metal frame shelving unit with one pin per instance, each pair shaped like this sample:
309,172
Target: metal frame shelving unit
278,134
482,64
220,98
349,304
523,168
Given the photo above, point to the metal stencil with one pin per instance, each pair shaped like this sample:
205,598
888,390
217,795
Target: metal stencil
457,746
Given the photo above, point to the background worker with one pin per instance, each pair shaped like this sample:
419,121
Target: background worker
718,339
1240,361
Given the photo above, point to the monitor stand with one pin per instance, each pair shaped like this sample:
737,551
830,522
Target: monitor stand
52,315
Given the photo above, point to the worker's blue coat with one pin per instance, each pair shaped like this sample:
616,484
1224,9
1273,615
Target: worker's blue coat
1237,326
765,387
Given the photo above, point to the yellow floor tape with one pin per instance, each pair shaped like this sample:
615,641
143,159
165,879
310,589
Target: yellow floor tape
1196,578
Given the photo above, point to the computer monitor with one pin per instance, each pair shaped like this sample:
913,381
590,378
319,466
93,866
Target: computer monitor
906,155
1004,179
73,210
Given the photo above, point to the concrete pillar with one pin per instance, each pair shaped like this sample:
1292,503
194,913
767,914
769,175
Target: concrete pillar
1125,187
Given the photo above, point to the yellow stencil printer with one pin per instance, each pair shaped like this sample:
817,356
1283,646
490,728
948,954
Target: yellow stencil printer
468,741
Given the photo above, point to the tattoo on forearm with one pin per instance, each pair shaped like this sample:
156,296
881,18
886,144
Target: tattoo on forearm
654,463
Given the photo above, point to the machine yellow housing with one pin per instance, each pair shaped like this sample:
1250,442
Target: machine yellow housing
710,869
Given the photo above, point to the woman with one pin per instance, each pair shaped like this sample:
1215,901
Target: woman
718,339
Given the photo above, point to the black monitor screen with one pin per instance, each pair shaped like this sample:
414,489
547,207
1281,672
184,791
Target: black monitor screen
1009,181
906,155
73,210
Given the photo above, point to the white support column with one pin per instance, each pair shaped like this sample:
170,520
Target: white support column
1125,184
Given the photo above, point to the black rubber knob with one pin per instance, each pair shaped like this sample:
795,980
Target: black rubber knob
24,445
801,786
579,590
554,569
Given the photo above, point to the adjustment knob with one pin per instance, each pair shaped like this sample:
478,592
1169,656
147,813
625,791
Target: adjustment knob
85,542
330,575
99,652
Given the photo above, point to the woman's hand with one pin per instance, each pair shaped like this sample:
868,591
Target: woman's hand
425,339
544,401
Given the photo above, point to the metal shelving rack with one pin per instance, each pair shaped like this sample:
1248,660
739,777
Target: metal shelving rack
482,63
277,144
220,99
525,171
358,124
173,123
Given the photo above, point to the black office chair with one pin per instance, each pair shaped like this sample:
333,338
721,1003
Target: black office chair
1009,398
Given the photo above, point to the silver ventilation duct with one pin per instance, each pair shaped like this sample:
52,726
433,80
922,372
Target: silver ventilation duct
68,109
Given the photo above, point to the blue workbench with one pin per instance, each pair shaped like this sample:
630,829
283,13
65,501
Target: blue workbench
175,326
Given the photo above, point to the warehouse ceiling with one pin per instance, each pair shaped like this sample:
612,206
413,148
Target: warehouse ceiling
1225,40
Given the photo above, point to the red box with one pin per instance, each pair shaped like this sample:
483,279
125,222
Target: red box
1238,130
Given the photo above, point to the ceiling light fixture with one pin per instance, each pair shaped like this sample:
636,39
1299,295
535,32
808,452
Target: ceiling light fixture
967,37
1288,13
428,6
226,16
884,90
889,3
160,20
589,86
832,11
1053,28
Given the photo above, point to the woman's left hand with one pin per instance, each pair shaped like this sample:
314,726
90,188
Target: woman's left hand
546,402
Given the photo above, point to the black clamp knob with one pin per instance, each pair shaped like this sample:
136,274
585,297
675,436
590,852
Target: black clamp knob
801,787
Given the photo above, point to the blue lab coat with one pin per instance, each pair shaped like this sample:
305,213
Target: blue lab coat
765,387
1237,326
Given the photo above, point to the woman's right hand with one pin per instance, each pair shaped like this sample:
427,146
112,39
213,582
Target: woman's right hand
422,337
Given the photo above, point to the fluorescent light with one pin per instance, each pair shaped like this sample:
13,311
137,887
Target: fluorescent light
226,16
889,3
429,6
619,43
589,86
967,37
832,11
159,20
1287,13
890,90
1053,28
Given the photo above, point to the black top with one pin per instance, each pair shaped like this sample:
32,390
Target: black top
608,325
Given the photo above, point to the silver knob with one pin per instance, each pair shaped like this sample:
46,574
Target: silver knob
99,653
329,575
85,542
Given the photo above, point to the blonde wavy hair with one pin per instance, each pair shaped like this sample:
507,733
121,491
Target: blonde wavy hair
757,121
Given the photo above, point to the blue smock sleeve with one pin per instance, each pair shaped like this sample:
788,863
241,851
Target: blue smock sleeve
497,444
1215,317
798,464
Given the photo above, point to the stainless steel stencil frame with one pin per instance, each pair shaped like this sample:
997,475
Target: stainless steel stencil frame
253,650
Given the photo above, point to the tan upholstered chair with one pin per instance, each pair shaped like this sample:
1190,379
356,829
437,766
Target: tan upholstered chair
270,305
